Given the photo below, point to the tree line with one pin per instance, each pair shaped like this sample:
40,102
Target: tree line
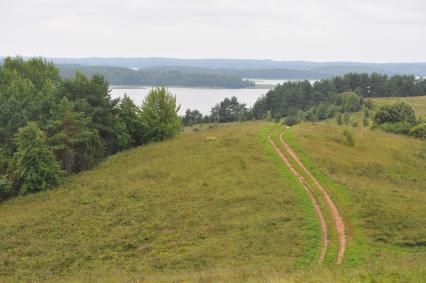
152,77
288,97
51,127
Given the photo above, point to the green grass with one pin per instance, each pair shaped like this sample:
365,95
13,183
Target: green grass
210,204
218,205
381,187
417,102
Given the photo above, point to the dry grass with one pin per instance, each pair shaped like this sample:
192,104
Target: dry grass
203,204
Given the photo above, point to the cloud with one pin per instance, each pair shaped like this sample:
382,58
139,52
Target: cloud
324,30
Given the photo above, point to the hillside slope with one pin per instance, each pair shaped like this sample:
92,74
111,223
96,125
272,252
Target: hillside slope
211,201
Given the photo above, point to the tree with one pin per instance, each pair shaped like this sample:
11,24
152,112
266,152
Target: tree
36,167
77,145
192,117
129,115
229,110
159,114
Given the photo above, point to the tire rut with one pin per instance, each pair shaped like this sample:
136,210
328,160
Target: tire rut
323,224
338,220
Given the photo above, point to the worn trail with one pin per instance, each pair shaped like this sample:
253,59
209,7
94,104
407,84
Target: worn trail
338,220
323,224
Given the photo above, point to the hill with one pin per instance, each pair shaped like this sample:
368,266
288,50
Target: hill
210,201
218,204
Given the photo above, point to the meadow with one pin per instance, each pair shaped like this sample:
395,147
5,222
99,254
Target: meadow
211,201
216,204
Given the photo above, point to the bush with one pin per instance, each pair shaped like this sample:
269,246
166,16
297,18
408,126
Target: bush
398,112
291,120
339,119
5,187
419,131
349,137
346,118
355,124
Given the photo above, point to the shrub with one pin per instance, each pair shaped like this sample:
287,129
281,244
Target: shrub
349,137
398,112
339,119
419,131
291,120
5,187
346,118
355,124
366,122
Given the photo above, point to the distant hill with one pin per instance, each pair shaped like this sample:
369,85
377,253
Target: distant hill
243,68
319,69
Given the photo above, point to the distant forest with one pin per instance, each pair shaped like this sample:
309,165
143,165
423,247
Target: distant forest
157,77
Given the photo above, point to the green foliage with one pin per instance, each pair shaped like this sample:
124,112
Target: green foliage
192,117
291,120
349,137
159,115
36,167
397,112
229,110
346,118
268,116
5,187
346,91
339,119
419,131
400,128
349,102
156,76
130,118
76,144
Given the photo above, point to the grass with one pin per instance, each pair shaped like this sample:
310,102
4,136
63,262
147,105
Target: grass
381,186
211,205
218,205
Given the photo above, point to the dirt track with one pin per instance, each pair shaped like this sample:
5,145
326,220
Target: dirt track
338,221
302,180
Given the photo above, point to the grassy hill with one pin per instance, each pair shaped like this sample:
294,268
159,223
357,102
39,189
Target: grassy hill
219,205
211,201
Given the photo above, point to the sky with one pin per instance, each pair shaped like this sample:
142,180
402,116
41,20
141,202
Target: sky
311,30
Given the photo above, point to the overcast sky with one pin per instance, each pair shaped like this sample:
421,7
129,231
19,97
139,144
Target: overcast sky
318,30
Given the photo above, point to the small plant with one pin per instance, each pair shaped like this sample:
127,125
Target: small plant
339,119
366,122
347,118
210,138
195,129
349,137
355,124
419,131
5,187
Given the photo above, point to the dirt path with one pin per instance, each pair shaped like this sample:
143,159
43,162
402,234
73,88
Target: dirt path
302,180
338,221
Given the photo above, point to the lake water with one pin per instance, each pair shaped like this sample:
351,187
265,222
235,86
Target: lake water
202,99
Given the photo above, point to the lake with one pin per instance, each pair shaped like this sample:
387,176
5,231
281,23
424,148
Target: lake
202,99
